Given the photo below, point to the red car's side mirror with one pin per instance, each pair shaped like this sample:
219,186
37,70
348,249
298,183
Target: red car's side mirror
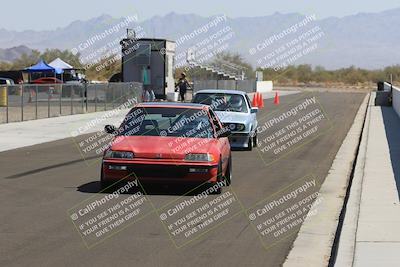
110,129
225,132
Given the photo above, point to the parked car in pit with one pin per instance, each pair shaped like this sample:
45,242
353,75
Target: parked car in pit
234,110
6,81
13,88
47,80
48,85
168,143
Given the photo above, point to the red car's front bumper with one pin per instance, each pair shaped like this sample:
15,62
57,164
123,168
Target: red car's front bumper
162,171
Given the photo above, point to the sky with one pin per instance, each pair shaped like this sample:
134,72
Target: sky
48,15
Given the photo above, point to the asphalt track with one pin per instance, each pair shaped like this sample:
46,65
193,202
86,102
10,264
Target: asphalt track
39,184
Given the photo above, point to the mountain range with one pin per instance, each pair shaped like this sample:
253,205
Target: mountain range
13,53
367,40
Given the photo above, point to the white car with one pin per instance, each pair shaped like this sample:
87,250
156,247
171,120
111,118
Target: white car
234,110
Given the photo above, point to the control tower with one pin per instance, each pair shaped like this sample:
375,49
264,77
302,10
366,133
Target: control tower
149,61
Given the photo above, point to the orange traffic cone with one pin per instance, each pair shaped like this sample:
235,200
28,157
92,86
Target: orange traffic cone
260,100
276,99
254,103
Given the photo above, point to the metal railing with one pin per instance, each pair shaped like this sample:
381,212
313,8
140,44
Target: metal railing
31,101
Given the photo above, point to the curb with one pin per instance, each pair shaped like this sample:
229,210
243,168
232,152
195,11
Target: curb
314,242
346,245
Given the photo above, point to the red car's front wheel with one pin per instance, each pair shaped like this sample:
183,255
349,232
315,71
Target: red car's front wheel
228,172
223,177
104,184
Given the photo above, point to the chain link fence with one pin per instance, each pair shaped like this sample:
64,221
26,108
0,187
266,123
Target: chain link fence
31,101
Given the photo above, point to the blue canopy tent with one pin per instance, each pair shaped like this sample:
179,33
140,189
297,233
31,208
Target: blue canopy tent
42,66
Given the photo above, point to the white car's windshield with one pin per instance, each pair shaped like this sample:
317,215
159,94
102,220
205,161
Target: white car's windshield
222,102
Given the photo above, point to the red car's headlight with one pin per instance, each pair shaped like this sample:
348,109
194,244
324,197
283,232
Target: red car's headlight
110,154
200,157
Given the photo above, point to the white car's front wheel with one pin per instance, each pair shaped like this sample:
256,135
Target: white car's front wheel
250,144
255,140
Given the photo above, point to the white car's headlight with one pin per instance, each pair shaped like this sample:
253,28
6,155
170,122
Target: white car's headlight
110,154
199,157
236,127
240,127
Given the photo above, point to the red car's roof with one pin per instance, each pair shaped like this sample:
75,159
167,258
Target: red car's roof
172,105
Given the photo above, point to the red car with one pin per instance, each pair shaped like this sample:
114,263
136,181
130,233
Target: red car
47,80
169,143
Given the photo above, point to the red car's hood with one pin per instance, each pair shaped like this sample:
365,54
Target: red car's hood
162,147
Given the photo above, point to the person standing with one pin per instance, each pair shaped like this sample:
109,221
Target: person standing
182,86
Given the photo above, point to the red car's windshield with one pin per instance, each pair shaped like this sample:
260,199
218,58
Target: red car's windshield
177,122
